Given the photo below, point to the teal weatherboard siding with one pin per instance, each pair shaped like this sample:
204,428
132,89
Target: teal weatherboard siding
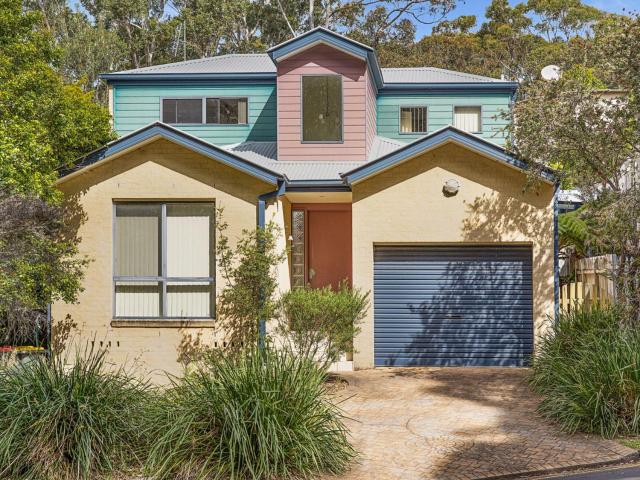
138,105
440,113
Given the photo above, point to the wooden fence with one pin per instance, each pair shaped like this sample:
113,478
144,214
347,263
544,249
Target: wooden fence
589,282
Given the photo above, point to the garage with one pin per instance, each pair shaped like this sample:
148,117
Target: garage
452,305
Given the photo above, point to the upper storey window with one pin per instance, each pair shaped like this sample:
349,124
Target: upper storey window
321,108
468,119
413,119
224,111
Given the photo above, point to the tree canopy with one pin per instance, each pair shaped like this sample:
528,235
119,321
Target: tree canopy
515,41
46,123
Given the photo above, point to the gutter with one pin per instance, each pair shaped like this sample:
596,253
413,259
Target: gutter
144,77
444,87
262,205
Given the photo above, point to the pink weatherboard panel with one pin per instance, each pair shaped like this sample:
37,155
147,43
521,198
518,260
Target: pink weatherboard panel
319,60
372,114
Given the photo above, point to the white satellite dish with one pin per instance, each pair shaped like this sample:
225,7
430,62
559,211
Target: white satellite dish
550,72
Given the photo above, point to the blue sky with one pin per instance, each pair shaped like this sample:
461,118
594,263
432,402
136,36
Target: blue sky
478,7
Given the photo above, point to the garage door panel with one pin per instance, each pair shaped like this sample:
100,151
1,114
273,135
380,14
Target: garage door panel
453,305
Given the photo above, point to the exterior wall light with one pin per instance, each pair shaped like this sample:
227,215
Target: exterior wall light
451,187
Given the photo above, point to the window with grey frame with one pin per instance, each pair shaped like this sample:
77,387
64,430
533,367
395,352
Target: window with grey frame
413,119
321,108
206,110
164,262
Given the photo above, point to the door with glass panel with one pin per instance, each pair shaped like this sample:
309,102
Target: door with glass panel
164,263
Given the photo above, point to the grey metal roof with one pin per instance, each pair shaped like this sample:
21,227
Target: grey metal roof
383,145
431,75
232,63
252,63
265,154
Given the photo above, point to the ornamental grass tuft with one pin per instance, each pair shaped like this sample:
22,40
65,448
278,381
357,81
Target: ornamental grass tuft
77,421
257,415
587,370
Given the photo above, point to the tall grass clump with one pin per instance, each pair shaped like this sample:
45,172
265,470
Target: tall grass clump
257,415
70,421
587,370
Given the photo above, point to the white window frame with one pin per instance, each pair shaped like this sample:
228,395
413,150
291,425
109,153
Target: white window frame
203,118
426,120
162,279
479,107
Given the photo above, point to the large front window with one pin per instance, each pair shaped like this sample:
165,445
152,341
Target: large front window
322,108
164,260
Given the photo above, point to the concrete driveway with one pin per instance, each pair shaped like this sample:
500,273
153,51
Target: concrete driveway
457,423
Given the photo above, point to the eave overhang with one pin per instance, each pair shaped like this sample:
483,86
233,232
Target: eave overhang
267,77
449,87
434,140
159,130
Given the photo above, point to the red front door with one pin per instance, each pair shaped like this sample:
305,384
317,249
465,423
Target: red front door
328,244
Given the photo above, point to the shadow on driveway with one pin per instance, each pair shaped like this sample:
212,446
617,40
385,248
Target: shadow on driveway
457,423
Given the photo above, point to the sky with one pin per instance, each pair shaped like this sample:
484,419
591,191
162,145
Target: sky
478,7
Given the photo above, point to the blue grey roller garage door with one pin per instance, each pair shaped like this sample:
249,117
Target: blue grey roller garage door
446,305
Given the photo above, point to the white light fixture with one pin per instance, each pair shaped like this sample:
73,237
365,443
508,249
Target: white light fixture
451,186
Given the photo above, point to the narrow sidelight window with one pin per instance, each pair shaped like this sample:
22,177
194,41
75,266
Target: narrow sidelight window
164,260
297,248
468,119
322,108
413,120
224,111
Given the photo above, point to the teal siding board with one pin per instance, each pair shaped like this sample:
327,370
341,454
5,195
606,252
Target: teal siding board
136,106
440,113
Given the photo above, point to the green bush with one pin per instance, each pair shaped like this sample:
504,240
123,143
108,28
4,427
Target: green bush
261,414
588,371
75,421
320,323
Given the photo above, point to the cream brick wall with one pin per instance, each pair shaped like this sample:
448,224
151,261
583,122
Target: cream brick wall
402,205
406,205
158,171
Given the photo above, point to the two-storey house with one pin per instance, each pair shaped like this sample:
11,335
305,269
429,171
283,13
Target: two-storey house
395,179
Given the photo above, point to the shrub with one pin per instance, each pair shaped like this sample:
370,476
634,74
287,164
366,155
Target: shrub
62,421
321,323
261,414
249,272
588,371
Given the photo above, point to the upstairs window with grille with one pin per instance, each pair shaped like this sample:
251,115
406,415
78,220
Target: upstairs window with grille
413,120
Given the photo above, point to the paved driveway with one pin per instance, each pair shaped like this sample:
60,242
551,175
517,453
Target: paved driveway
457,423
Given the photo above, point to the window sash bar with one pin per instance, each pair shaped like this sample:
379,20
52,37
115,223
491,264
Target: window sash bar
161,279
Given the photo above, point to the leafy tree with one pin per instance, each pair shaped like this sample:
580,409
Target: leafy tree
138,23
45,124
593,137
563,19
248,269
